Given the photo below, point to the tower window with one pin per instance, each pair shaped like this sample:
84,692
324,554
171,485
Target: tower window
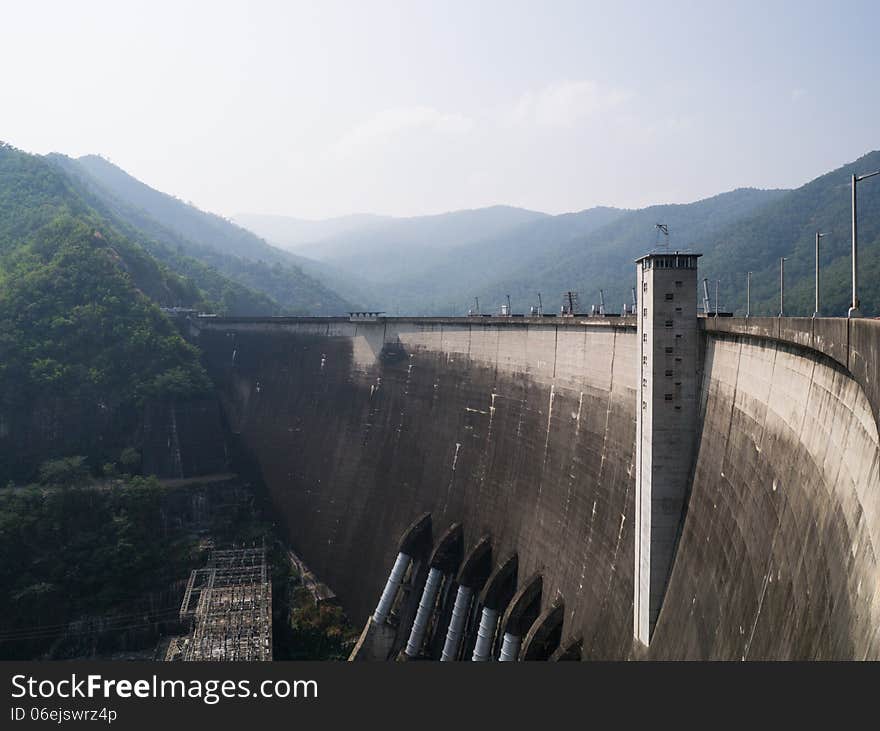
669,296
669,323
669,373
668,349
667,397
678,285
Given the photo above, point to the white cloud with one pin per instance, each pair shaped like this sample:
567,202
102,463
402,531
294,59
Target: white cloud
565,103
391,123
798,94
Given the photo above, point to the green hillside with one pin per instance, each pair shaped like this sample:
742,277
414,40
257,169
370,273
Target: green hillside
788,228
416,269
82,340
737,232
603,258
174,228
221,294
455,276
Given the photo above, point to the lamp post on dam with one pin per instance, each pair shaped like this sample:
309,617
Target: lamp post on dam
782,286
855,305
818,236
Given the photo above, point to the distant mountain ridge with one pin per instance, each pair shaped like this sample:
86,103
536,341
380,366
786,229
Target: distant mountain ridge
401,264
788,228
451,279
604,258
396,248
185,237
439,264
301,234
442,264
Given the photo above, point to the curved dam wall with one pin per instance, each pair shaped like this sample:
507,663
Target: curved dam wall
524,431
777,557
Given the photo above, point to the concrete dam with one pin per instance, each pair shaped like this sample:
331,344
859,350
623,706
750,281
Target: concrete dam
512,488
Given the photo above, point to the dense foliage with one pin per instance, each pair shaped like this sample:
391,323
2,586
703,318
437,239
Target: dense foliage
314,631
70,553
72,324
603,259
737,232
193,241
446,281
788,228
33,195
438,264
81,342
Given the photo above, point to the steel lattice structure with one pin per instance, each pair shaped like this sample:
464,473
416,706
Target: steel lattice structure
229,603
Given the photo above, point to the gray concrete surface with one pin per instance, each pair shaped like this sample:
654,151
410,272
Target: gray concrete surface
524,431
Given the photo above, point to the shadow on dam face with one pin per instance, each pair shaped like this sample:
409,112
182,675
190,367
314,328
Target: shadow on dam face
526,435
777,556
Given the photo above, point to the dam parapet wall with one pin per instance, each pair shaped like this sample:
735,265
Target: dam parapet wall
853,343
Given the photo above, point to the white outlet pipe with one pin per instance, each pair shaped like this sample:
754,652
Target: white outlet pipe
485,635
456,625
423,615
389,593
510,647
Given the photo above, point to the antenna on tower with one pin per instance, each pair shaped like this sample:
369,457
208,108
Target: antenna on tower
662,228
569,304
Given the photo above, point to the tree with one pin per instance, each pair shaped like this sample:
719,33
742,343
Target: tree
65,472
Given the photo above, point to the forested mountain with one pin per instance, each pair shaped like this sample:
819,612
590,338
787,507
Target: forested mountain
305,236
438,264
421,265
220,294
603,259
394,249
185,236
411,268
737,232
82,340
455,276
788,228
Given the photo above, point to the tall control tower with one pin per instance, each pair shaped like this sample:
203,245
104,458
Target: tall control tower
666,421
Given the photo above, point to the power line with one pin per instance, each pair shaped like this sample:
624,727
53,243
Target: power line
36,631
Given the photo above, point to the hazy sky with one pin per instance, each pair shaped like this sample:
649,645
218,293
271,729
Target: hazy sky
324,108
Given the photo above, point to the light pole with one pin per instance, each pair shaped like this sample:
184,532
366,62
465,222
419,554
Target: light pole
854,305
748,294
782,286
818,236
